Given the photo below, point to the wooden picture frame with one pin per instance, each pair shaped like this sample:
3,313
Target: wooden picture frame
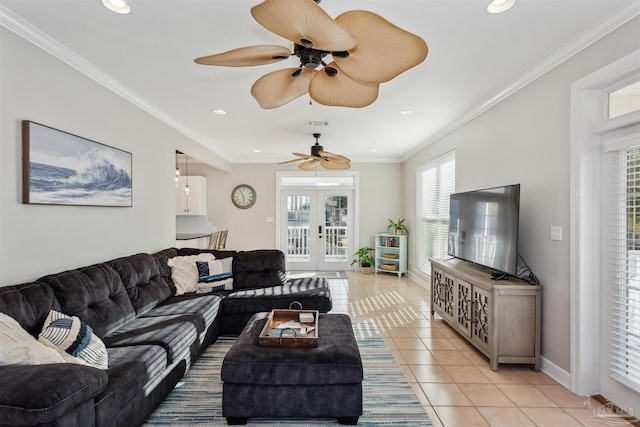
59,168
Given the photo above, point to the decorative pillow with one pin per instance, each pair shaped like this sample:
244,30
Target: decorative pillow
18,347
75,337
216,274
184,272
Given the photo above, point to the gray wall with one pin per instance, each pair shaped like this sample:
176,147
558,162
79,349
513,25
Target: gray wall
41,239
525,139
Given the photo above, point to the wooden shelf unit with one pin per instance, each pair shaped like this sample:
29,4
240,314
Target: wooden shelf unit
501,318
391,245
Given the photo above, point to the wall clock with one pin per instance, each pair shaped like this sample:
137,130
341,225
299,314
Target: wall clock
243,196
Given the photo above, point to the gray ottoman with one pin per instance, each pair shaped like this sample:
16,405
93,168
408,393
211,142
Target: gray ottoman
272,382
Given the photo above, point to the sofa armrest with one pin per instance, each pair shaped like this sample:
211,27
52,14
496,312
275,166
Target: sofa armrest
40,394
261,268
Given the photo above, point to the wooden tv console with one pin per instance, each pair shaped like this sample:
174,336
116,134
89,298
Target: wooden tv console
501,318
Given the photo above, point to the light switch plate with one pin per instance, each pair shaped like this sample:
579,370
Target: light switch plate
556,233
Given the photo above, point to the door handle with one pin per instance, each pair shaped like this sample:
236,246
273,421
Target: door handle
319,232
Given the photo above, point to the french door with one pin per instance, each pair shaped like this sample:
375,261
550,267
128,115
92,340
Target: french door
316,233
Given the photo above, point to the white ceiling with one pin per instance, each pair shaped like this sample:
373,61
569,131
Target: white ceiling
474,60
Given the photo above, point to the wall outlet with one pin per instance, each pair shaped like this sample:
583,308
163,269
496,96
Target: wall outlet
556,234
269,219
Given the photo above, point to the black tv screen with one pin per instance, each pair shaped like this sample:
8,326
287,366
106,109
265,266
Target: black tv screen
483,227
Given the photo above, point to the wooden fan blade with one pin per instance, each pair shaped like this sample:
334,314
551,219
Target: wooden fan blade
299,20
290,161
330,164
247,56
383,50
338,158
304,156
341,90
278,88
309,164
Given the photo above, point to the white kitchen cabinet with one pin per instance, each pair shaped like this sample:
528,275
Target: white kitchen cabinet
195,202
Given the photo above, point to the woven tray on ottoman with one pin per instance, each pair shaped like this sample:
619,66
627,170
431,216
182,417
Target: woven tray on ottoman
273,382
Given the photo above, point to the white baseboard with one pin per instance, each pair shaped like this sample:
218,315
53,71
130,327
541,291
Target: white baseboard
555,372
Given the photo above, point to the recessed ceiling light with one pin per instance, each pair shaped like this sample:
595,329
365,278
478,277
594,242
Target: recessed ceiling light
374,150
406,112
257,151
117,6
499,6
219,112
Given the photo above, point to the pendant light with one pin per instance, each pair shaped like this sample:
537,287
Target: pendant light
186,171
177,168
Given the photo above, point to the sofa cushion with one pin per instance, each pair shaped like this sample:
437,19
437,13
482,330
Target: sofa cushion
29,304
17,346
259,269
76,338
312,293
46,392
95,294
162,258
131,370
176,334
142,279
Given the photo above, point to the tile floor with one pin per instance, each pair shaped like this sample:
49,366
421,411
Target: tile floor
451,378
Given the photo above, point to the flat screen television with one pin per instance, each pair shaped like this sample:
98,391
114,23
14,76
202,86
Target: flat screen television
483,227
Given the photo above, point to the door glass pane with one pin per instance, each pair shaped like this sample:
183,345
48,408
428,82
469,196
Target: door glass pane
336,217
298,228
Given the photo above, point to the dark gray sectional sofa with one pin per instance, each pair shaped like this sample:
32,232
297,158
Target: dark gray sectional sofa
152,335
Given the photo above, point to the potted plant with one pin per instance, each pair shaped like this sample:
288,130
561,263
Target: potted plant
363,257
398,226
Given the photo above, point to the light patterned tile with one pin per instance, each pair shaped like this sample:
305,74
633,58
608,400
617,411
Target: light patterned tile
455,416
551,417
526,396
505,417
466,374
450,357
485,395
562,396
430,374
447,394
418,357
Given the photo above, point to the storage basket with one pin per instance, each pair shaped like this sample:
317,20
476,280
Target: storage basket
390,256
389,267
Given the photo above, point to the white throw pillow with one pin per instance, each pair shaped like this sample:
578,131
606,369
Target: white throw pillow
184,272
18,347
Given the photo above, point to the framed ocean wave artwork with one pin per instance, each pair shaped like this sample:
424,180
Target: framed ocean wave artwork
63,169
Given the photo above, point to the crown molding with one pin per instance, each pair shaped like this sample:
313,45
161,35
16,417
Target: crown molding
24,29
602,28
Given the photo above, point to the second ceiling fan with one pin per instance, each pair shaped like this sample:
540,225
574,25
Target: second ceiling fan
366,50
319,157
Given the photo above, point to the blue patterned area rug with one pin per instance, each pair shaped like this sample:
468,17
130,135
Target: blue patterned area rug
388,397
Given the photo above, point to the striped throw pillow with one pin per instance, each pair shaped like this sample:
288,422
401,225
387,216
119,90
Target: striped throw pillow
75,337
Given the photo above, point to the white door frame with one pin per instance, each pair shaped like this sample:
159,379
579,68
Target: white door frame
588,97
321,174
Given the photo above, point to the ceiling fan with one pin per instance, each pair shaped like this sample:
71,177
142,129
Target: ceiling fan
319,157
365,48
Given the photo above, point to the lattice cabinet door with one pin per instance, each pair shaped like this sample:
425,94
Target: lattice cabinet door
443,294
463,307
481,317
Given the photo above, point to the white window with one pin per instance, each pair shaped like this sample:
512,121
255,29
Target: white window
435,181
624,277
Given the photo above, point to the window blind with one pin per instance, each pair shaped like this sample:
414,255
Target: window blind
435,181
624,274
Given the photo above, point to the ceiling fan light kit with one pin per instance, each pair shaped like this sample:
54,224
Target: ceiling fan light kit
366,50
499,6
